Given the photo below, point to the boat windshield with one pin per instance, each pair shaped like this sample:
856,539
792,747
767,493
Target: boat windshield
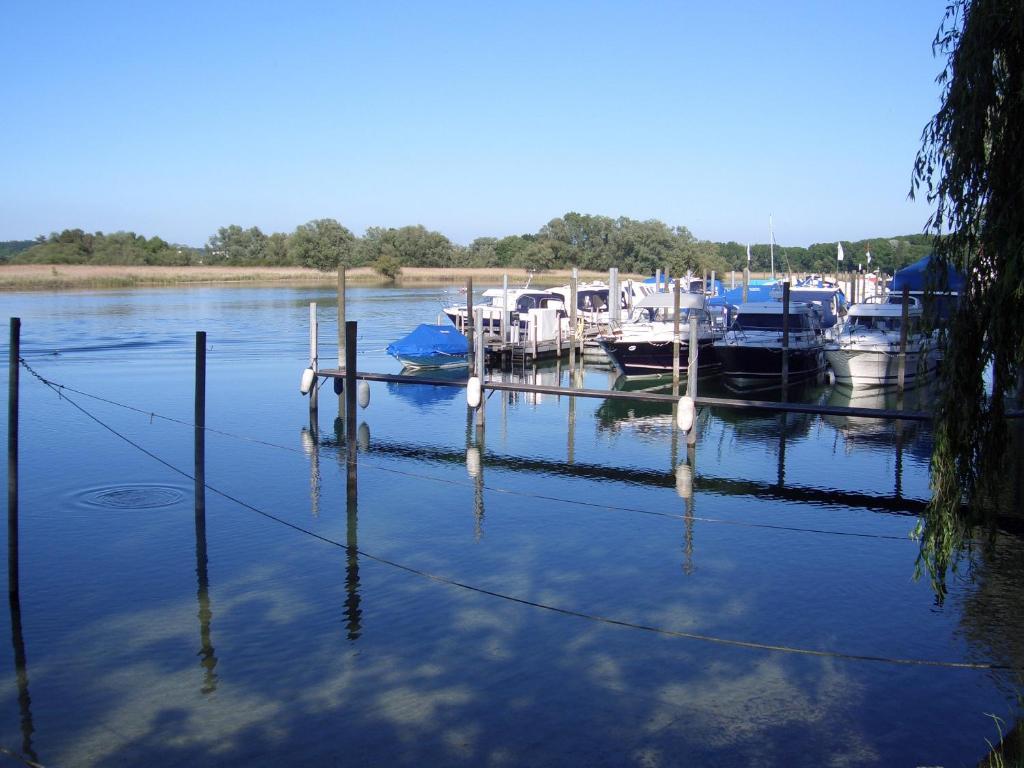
773,322
878,324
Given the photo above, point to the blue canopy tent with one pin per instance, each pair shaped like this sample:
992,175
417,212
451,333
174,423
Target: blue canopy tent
927,274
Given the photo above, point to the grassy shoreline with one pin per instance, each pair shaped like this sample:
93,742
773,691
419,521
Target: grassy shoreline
58,277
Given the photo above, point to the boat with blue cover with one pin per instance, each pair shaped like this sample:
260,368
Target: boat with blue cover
431,346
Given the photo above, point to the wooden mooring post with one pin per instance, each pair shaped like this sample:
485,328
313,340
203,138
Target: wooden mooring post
785,335
468,324
341,333
200,431
313,354
13,385
904,322
350,380
691,376
572,318
675,338
481,367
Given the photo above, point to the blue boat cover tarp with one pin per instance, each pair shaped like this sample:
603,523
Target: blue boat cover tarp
924,274
429,339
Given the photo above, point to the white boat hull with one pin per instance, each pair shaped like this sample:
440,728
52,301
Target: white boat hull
880,368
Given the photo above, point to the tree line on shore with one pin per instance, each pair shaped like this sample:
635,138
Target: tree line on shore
580,240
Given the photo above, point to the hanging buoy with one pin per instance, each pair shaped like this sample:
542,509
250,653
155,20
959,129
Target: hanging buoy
307,381
363,394
339,385
473,461
830,377
684,417
473,391
684,481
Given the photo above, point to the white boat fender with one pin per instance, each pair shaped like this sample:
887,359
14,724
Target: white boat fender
473,392
830,377
685,415
473,461
307,381
363,394
363,437
684,481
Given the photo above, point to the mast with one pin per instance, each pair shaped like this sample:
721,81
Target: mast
771,244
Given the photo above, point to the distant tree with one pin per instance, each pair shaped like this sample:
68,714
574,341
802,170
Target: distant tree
388,265
13,247
321,244
413,246
276,250
481,252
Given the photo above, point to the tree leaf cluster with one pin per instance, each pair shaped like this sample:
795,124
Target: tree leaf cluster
971,167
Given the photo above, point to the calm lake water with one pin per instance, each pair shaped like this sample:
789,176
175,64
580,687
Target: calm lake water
407,620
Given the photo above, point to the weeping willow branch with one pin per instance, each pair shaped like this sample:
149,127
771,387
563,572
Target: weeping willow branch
971,167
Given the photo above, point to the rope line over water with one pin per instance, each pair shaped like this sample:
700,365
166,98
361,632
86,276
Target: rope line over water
462,484
596,618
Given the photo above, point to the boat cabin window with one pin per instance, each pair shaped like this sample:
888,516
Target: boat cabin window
880,324
592,301
752,322
665,315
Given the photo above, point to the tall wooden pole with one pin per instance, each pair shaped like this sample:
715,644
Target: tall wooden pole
314,354
572,320
341,336
208,659
200,429
13,371
905,321
350,381
785,335
675,338
468,325
691,376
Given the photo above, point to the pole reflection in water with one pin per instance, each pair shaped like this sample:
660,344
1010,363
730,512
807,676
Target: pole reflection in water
353,612
474,467
20,658
207,657
571,448
311,446
783,426
685,474
899,459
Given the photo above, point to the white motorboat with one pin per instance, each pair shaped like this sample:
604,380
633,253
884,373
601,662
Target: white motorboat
496,314
866,353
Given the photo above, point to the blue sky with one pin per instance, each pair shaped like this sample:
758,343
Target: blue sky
471,118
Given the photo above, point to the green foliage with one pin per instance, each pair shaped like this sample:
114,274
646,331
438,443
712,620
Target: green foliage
10,248
413,246
388,266
575,239
971,164
73,246
321,244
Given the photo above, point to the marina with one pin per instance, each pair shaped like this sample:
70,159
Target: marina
573,582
